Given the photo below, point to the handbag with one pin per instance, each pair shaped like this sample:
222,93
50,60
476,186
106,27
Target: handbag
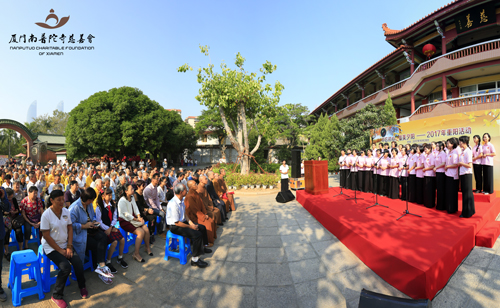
18,222
136,223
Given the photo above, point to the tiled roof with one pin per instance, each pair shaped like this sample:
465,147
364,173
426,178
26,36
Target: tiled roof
51,139
440,11
365,72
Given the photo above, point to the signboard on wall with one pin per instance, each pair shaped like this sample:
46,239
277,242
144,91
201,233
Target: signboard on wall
476,17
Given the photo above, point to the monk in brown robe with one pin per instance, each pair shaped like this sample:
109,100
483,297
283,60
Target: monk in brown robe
196,212
223,186
220,193
212,211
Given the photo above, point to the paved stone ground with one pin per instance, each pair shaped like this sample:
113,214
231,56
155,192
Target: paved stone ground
269,255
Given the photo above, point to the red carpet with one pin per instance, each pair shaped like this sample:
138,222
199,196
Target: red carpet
415,255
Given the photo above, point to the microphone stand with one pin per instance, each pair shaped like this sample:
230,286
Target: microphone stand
355,184
376,195
341,193
407,197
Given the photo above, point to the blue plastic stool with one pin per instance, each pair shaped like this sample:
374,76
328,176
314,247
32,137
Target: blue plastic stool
180,242
13,241
45,264
116,252
129,240
20,261
88,264
35,237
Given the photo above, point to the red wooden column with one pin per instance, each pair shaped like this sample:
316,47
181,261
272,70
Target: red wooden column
443,82
443,45
412,102
412,65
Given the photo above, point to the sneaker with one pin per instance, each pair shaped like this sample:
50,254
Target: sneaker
61,303
84,293
486,193
112,269
3,296
106,280
104,271
122,262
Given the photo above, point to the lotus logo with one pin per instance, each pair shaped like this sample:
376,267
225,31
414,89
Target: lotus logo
59,23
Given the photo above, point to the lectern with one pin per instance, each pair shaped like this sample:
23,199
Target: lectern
316,176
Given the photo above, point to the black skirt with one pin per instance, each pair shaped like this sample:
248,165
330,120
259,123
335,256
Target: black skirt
487,179
348,179
412,188
368,181
404,187
441,192
478,176
451,192
375,179
361,180
393,188
468,208
420,190
429,191
383,182
354,181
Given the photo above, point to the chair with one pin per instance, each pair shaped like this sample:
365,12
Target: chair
35,237
13,240
45,264
22,263
180,242
129,240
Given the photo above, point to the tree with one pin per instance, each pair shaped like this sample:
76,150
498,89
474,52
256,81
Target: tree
289,123
123,122
323,138
389,113
242,98
10,138
45,124
210,121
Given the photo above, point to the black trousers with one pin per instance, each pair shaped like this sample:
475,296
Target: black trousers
1,258
451,201
348,179
441,191
488,179
27,232
375,179
284,185
368,185
393,188
151,220
222,208
354,181
420,191
361,180
19,235
383,182
64,265
478,175
342,177
195,236
412,188
97,244
429,191
404,187
468,208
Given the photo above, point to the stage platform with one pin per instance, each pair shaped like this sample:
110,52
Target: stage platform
415,255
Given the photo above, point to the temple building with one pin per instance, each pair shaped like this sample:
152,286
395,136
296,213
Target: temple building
445,63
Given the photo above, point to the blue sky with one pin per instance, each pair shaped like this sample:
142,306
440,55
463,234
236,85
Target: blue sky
318,47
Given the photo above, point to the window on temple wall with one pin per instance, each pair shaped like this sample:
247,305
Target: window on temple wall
204,138
483,87
438,96
404,74
468,91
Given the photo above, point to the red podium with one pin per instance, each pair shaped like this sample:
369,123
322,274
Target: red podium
316,176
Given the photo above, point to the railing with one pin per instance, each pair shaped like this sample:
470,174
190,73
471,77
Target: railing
457,54
460,102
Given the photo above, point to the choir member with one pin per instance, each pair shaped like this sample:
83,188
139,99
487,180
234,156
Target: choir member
348,161
354,170
403,172
374,150
465,170
376,162
368,172
361,170
487,162
440,176
412,178
394,175
400,153
342,168
477,155
451,172
435,151
429,177
420,175
383,174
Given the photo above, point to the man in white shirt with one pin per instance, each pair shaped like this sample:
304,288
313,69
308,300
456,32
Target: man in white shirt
181,225
8,182
81,179
35,181
57,181
284,176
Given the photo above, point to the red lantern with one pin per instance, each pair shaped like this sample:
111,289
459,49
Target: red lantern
429,50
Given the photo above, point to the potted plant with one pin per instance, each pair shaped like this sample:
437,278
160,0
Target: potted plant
251,181
244,181
258,180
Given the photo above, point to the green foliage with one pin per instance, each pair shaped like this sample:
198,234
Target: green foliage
324,139
389,113
284,154
210,120
289,123
124,122
11,143
46,124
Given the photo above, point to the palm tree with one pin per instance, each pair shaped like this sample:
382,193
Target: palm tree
10,136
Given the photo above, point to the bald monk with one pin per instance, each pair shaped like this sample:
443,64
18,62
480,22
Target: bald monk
196,212
212,211
230,196
220,193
